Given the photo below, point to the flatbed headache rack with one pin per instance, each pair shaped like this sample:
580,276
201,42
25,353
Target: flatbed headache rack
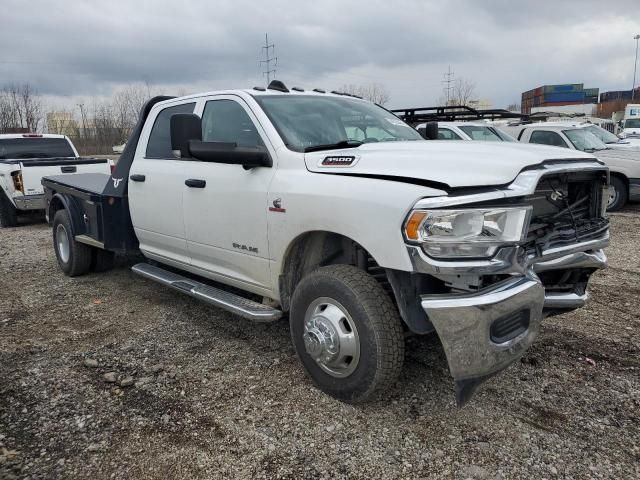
414,116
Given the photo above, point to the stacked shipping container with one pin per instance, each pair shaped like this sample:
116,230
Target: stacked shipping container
555,95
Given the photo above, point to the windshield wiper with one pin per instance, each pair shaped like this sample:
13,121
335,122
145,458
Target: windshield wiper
334,146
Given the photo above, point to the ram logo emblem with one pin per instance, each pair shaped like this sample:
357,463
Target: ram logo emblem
116,182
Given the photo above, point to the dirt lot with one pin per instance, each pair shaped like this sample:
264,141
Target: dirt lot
214,396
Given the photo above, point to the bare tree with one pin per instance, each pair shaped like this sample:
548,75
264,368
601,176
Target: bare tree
462,93
374,92
20,108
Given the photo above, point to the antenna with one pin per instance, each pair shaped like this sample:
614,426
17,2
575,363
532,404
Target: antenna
448,80
269,59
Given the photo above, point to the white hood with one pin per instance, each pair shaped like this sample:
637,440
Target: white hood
456,164
618,154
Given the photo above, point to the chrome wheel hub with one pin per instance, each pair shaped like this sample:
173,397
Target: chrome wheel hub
613,195
331,338
62,240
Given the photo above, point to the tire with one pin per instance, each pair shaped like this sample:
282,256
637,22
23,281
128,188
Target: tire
74,258
620,197
364,308
102,260
8,213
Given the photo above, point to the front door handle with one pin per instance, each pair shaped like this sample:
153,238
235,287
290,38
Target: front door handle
69,169
195,183
137,177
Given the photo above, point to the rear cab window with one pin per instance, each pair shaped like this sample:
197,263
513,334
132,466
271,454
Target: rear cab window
35,147
159,143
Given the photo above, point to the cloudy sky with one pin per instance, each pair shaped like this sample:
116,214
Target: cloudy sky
70,49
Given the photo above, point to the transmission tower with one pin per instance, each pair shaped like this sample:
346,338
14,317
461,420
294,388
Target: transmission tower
448,80
269,59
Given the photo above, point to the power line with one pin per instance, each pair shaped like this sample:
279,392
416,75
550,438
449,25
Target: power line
269,59
448,80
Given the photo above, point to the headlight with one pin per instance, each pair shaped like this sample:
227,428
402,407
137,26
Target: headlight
467,232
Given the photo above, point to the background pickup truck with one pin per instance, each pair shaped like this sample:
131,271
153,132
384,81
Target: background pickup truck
25,159
623,162
331,210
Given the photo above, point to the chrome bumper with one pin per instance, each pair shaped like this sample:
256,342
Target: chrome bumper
466,325
30,202
485,331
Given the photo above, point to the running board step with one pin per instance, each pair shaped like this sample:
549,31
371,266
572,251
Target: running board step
228,301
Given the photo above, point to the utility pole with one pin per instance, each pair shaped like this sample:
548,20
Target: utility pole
83,120
268,59
635,67
448,80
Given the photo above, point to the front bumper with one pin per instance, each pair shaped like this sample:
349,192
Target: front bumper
485,331
30,202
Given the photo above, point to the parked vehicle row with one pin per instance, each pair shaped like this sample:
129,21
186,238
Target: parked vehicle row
333,211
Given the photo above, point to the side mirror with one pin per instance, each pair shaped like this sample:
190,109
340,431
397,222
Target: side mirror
431,131
184,127
230,153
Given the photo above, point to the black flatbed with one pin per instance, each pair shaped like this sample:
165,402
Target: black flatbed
83,182
98,203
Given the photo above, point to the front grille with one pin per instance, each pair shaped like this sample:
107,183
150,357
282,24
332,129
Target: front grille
566,210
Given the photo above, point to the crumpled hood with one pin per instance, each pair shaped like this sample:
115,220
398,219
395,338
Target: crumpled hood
618,154
452,163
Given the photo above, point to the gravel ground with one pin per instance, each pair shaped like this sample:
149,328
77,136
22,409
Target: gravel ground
112,376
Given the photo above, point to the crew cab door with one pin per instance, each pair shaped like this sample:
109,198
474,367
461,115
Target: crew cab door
225,206
156,185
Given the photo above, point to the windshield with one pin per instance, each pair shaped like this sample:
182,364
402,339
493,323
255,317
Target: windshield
308,121
584,140
602,134
632,123
35,148
483,134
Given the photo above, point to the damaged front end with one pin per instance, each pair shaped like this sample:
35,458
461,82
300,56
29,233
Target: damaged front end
488,310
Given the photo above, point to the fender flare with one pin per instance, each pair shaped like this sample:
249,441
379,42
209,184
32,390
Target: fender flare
75,212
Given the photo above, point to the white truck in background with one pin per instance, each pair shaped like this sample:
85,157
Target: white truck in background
631,122
623,161
25,159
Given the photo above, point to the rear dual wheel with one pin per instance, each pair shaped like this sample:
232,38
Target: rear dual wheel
75,258
346,332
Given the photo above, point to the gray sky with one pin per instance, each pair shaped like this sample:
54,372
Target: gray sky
71,49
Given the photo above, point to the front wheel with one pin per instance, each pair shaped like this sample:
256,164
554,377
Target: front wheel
74,258
346,332
617,194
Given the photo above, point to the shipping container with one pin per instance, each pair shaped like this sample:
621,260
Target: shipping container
591,99
564,97
564,88
538,92
591,92
552,104
615,95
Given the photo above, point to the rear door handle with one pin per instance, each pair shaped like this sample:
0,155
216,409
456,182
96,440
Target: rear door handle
138,178
195,183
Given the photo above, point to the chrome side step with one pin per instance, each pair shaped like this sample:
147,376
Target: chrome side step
228,301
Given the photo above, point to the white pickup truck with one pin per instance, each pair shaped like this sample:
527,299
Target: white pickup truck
25,159
358,242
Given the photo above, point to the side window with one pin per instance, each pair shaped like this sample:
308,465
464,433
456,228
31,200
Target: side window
446,134
159,145
546,137
226,121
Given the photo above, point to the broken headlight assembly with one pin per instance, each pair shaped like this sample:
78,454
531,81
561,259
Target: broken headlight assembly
468,232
